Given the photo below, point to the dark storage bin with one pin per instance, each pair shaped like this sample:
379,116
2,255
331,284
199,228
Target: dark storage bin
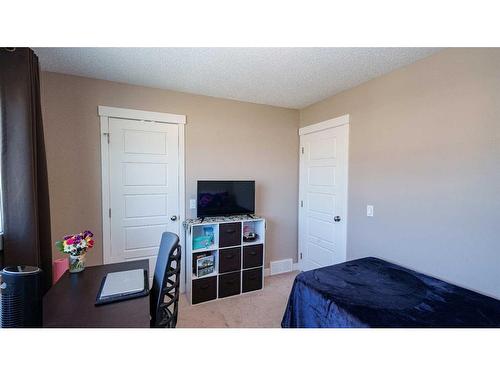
204,289
252,279
253,256
229,234
229,284
230,259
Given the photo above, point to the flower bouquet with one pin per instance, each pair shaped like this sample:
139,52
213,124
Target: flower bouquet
76,245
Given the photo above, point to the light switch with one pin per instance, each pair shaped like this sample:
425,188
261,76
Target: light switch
369,210
192,204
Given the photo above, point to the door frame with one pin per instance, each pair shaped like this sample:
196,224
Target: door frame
105,113
324,125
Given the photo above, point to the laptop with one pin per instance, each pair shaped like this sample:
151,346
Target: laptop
123,285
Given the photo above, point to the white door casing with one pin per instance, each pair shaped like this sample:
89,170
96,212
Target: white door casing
143,183
323,193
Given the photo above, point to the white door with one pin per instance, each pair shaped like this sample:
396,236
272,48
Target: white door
323,197
144,188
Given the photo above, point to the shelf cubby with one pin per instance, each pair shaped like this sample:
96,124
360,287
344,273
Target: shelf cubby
204,237
255,226
197,254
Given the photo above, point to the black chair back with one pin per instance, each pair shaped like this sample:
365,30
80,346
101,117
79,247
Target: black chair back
164,295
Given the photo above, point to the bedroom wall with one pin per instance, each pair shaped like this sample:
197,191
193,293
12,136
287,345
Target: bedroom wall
425,151
225,139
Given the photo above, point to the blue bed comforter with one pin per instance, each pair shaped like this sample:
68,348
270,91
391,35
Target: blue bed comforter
370,292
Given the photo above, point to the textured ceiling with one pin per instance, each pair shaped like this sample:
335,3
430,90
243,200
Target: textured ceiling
285,77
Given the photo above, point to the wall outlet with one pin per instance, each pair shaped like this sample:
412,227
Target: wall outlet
192,204
369,210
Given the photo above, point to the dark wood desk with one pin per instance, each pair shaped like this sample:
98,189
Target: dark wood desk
70,302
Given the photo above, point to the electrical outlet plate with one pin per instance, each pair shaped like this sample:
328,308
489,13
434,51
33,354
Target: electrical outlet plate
369,210
192,204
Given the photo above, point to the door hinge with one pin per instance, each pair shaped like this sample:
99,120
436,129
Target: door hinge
301,203
302,150
107,136
109,212
300,256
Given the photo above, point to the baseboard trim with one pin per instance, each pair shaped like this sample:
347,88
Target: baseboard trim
295,267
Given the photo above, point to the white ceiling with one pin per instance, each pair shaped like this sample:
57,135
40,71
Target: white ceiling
285,77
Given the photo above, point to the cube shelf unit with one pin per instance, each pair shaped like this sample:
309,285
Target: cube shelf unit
239,265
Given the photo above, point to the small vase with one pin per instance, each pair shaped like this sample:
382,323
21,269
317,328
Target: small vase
76,263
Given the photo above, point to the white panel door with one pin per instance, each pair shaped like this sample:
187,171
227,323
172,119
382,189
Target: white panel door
144,187
323,198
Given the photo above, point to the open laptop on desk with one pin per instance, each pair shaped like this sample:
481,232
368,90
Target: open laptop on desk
123,285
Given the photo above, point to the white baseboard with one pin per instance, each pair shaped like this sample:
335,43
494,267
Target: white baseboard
295,267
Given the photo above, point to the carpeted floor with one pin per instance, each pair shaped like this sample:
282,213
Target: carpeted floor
262,309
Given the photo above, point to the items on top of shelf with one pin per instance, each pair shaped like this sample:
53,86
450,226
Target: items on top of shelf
220,219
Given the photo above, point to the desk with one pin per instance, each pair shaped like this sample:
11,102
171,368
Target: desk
70,302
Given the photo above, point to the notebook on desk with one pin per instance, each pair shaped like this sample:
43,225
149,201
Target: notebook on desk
119,286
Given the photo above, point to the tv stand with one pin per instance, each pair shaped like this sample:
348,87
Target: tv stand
238,265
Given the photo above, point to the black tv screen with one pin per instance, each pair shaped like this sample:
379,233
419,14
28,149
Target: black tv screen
224,198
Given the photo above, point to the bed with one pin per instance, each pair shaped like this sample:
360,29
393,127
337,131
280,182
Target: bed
370,292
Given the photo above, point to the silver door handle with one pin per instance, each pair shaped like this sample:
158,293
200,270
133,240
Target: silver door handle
173,217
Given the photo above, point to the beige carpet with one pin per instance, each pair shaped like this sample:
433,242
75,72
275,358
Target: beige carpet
262,309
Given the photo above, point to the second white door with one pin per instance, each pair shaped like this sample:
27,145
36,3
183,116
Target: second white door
144,188
323,197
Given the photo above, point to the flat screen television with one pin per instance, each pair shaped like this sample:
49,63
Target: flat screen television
224,198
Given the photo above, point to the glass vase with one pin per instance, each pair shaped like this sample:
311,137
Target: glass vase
76,263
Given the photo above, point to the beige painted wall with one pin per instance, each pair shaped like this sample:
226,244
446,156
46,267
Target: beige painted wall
425,151
224,139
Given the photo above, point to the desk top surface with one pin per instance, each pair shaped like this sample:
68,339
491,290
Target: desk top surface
70,302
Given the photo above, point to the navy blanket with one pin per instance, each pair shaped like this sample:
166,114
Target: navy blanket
370,292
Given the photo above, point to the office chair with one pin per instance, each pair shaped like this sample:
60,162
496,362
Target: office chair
164,296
